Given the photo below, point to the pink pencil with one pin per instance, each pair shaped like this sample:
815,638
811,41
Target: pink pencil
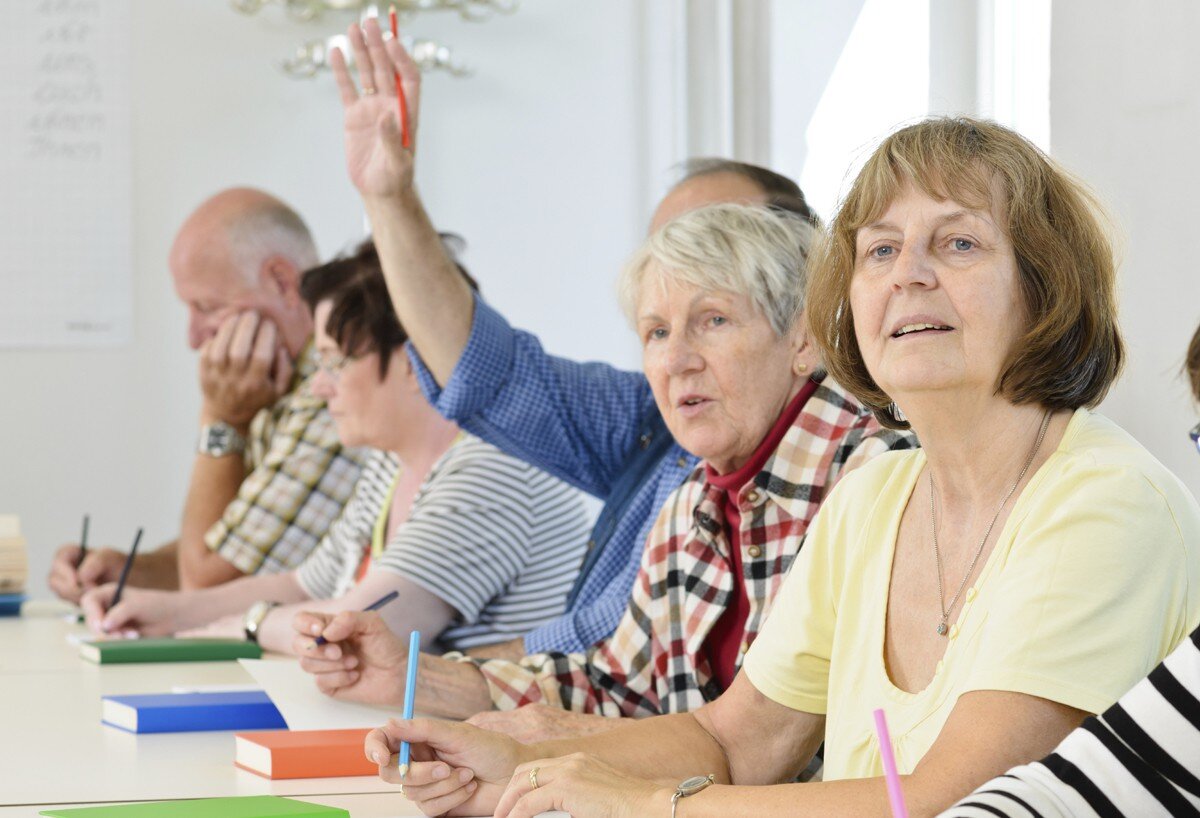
895,795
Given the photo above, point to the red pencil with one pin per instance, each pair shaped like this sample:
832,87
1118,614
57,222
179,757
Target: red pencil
404,137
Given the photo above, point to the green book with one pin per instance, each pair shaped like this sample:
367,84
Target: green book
255,806
168,649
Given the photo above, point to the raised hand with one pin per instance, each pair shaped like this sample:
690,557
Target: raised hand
379,164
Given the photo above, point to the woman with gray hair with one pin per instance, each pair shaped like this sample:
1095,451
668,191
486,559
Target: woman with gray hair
716,297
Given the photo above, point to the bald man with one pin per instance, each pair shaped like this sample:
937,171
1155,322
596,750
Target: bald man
269,474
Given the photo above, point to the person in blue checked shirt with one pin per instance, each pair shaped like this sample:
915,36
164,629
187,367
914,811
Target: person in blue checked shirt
592,425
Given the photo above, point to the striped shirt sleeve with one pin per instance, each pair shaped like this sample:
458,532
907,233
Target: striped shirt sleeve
495,538
1140,757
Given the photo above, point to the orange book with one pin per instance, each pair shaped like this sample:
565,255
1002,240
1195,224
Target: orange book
304,753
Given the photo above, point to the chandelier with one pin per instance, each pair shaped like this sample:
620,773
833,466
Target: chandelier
312,56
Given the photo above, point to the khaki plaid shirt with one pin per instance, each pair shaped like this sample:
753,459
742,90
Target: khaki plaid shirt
656,660
298,477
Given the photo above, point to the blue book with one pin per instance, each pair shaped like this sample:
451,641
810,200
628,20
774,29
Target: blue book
10,604
190,712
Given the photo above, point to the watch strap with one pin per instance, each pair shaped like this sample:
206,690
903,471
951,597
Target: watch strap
219,439
254,618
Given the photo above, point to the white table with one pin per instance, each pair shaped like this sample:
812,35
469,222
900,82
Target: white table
55,751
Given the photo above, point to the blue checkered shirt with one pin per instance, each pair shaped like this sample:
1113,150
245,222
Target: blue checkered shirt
579,422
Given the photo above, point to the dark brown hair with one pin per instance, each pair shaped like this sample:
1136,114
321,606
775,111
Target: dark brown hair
362,319
1070,351
781,192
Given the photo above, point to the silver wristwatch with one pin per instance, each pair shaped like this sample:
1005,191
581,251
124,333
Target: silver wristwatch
220,439
691,786
254,617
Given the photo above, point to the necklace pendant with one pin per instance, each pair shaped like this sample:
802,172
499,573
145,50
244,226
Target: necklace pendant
942,629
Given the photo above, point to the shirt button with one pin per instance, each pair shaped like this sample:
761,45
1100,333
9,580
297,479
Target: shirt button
591,544
754,551
752,496
681,462
970,593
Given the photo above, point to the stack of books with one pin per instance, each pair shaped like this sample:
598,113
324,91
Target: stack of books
14,565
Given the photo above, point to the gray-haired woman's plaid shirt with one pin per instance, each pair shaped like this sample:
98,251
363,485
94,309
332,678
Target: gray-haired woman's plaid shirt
657,661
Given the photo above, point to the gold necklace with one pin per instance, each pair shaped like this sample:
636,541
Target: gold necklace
943,625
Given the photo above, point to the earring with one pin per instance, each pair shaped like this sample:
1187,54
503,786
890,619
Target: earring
801,368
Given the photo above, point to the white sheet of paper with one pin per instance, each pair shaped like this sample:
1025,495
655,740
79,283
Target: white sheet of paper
303,706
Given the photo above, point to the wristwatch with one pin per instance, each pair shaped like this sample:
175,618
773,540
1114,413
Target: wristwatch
254,617
220,439
691,786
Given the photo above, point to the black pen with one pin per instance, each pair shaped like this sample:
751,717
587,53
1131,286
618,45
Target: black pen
125,570
374,606
83,541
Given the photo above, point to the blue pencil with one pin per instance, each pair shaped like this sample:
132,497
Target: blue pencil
410,688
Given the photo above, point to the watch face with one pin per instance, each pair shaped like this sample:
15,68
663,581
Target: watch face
694,784
218,437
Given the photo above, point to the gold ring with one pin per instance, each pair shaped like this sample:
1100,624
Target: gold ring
368,90
533,777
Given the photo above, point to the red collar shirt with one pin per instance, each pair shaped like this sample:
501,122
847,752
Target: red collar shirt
659,658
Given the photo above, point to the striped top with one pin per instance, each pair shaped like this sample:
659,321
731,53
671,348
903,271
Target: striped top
1141,757
496,539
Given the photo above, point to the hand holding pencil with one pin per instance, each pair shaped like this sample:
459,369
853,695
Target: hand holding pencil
380,111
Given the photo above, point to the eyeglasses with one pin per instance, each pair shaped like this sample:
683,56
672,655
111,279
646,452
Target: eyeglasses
1195,436
332,365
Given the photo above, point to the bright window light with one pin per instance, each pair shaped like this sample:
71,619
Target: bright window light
881,81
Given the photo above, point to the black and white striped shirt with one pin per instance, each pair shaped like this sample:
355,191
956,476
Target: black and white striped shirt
495,538
1141,757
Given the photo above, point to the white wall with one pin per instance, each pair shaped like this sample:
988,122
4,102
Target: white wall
536,161
568,126
1125,115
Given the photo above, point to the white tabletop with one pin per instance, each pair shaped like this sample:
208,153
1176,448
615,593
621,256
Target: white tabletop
54,750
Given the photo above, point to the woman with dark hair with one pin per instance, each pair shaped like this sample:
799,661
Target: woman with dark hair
482,547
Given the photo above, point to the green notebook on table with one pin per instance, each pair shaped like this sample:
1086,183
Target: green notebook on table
255,806
168,649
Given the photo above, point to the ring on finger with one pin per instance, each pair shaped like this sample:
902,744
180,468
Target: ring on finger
533,777
367,89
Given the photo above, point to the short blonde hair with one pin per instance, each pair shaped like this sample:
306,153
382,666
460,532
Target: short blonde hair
753,251
1070,350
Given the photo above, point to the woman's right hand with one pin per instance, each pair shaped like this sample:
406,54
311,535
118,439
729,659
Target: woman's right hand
362,660
455,769
141,610
380,166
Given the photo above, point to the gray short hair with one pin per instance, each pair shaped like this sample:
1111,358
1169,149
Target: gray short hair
753,251
266,230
